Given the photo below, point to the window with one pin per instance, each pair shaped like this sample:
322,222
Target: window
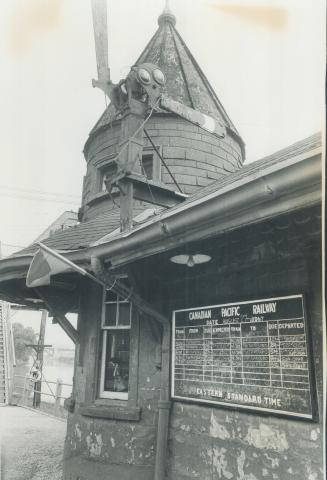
116,325
108,171
151,168
151,164
147,166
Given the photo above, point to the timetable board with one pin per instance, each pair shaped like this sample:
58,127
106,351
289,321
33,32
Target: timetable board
251,355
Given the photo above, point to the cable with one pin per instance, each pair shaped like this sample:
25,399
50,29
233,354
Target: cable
10,245
138,130
129,296
128,142
38,198
163,161
112,286
32,190
147,182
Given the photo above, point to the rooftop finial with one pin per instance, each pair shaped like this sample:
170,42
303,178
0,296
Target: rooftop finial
167,16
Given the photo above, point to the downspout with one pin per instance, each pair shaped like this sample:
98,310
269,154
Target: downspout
164,405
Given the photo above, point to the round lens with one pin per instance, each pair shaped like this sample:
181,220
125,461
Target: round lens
159,76
144,76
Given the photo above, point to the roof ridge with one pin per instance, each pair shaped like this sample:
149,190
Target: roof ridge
314,138
293,150
207,83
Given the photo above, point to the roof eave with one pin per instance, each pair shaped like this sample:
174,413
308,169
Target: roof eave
291,185
294,187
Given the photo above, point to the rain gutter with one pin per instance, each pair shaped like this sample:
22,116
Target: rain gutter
252,199
280,188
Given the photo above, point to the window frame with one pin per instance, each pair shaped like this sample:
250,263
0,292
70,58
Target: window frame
156,162
102,171
105,394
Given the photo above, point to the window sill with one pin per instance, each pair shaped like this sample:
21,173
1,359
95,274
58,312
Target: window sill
112,412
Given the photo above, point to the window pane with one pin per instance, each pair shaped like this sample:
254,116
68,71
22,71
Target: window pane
124,314
147,164
117,362
111,296
109,172
110,314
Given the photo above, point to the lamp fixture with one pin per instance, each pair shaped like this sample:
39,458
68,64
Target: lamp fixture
33,300
190,260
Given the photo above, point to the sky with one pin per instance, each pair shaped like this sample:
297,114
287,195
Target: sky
264,58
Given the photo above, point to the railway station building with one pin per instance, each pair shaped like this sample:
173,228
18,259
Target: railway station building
200,355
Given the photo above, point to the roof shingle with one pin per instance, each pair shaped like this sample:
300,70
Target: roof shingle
88,233
185,81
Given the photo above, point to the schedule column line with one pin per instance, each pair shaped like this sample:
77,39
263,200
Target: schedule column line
280,356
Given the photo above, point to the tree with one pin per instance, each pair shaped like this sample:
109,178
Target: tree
22,336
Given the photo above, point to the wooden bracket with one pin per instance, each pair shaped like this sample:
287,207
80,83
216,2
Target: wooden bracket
67,327
120,289
59,317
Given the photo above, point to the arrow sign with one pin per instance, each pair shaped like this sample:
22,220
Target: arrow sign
206,122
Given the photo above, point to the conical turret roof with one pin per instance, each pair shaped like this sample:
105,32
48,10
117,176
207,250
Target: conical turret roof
185,81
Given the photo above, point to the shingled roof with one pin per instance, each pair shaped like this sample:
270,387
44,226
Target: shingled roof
79,236
106,226
303,146
87,233
232,180
185,81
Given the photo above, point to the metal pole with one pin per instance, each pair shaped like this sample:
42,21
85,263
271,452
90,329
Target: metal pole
164,406
39,360
25,391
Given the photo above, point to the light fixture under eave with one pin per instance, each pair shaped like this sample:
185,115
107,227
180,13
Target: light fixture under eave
191,260
34,300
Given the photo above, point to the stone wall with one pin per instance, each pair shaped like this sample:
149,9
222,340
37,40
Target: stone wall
204,442
226,444
196,158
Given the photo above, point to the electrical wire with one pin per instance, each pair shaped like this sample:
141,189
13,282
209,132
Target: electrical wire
11,245
36,191
137,130
162,160
147,182
38,198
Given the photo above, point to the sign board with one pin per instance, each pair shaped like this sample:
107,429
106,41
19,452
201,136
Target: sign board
251,355
194,116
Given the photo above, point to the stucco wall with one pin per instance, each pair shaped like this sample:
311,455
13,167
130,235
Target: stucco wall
93,444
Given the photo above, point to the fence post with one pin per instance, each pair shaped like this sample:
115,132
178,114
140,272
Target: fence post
58,395
25,391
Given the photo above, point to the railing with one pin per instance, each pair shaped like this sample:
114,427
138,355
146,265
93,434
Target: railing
55,394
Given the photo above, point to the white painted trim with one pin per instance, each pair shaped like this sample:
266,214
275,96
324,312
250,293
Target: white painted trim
104,393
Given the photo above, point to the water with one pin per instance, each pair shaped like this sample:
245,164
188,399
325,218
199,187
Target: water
51,372
59,370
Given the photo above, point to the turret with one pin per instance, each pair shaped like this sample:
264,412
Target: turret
193,156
